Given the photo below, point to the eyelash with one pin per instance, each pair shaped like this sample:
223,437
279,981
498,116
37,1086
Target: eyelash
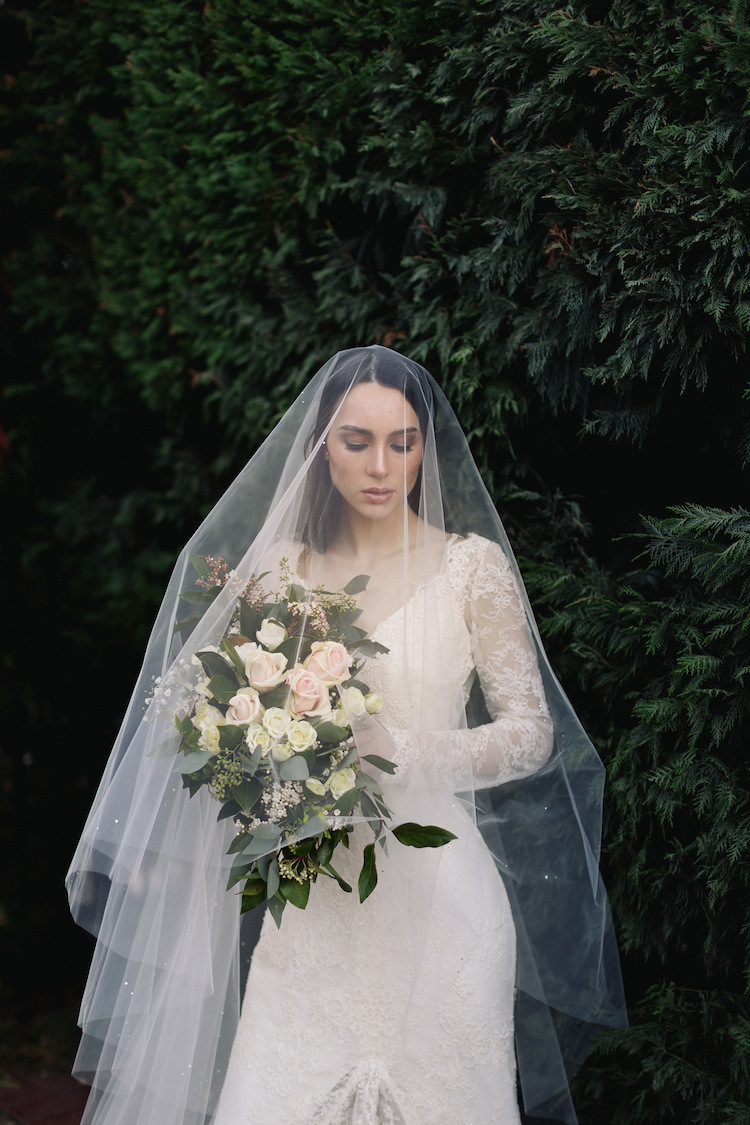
396,448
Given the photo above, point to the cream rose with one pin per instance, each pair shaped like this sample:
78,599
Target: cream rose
374,703
310,695
264,670
301,735
329,661
315,786
282,751
342,781
276,721
257,735
353,702
206,715
271,634
245,706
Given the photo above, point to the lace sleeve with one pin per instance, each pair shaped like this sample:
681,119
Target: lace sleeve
520,737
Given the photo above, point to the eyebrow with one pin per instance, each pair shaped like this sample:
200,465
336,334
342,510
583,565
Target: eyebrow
393,433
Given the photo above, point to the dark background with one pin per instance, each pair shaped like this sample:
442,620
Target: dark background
549,209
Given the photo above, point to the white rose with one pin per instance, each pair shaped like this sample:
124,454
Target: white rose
301,735
282,751
342,781
271,634
276,721
315,786
339,717
257,736
374,703
353,701
245,706
206,715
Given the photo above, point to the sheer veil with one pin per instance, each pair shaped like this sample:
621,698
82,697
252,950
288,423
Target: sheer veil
149,875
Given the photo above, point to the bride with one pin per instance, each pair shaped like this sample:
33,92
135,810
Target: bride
468,962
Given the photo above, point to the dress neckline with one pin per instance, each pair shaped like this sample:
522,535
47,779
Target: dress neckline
450,543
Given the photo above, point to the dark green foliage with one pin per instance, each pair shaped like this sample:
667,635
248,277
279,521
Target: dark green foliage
549,207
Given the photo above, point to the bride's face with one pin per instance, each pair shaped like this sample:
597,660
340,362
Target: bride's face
374,450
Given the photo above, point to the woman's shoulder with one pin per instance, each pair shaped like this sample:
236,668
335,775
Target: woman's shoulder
468,556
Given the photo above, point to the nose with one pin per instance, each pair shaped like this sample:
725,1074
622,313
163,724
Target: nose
378,462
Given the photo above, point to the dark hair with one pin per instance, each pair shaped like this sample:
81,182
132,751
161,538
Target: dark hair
374,364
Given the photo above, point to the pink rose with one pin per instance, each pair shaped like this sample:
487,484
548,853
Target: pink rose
329,661
245,706
310,695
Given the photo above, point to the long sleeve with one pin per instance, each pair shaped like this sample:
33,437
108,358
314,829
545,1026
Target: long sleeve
519,738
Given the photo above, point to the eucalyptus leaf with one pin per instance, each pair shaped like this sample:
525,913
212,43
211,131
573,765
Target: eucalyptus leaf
276,907
380,763
422,835
368,876
347,801
238,871
370,648
227,647
193,761
201,597
272,879
168,746
229,808
330,733
294,769
357,584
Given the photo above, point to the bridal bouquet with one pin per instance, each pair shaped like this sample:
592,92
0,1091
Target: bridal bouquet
272,737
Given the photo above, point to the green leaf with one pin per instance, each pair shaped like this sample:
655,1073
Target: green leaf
330,733
347,801
357,584
368,876
201,597
422,835
199,564
168,746
296,893
273,878
222,687
341,882
227,647
229,808
276,907
214,664
240,868
250,620
294,769
247,793
231,736
325,851
370,647
249,901
193,762
381,763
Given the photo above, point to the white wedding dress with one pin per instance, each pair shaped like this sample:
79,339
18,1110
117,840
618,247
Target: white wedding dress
399,1010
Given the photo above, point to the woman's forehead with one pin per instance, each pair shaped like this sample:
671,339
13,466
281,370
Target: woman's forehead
373,407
